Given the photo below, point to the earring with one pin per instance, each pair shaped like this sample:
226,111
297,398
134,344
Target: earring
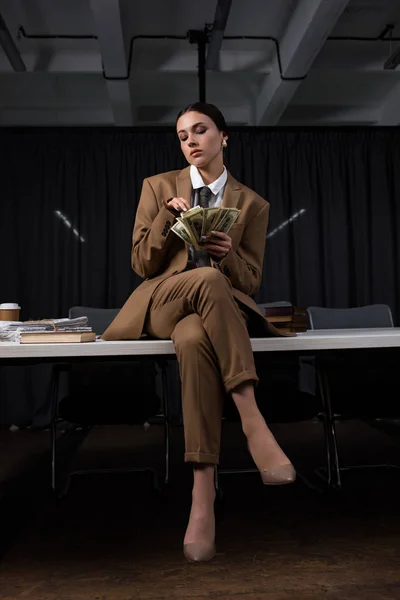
224,144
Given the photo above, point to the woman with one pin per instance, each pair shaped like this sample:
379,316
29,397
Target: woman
201,300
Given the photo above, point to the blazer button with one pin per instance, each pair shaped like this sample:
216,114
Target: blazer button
168,224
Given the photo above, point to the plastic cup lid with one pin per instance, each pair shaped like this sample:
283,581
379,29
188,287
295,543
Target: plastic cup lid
8,306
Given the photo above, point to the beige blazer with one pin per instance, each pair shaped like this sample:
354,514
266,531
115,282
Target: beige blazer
157,253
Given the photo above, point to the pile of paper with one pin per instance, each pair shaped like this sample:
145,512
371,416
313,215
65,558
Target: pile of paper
10,330
198,223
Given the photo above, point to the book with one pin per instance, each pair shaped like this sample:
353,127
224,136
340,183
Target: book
276,311
287,319
280,318
57,337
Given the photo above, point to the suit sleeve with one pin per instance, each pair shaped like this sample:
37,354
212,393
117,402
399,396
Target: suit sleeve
243,267
151,234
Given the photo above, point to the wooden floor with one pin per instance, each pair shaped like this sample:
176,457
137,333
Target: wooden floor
113,538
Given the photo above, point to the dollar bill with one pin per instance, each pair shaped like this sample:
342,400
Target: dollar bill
196,210
218,218
195,223
209,218
181,231
198,222
228,220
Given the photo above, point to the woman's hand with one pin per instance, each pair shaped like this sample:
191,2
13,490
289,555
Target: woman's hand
176,205
218,244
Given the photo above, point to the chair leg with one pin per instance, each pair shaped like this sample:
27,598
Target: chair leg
53,429
219,492
332,455
53,433
167,438
334,468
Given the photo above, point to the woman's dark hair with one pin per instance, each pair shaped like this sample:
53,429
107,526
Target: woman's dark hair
210,111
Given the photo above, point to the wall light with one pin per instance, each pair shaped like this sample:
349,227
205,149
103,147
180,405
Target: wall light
286,223
68,224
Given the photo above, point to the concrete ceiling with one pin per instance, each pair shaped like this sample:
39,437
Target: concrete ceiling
320,79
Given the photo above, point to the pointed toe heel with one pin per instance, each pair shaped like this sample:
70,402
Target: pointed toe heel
279,476
199,552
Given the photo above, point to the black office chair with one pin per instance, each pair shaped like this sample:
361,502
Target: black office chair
361,317
104,393
353,372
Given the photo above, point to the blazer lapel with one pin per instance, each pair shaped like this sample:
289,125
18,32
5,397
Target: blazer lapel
231,193
184,185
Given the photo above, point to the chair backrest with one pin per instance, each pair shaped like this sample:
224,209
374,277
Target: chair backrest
362,317
277,304
98,318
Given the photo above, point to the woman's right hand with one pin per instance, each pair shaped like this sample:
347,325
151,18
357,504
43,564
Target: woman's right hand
176,205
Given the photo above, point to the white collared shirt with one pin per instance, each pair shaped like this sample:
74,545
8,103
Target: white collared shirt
217,187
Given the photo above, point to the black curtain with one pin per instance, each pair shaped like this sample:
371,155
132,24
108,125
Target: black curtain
68,202
69,196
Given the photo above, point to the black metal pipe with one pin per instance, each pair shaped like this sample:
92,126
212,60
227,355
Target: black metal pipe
28,36
201,39
201,51
194,37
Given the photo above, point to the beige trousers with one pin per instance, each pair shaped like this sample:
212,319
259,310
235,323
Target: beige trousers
197,310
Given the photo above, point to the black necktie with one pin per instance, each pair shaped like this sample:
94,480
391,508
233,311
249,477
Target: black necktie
204,196
201,257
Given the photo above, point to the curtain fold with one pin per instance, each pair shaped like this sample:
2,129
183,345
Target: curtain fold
334,225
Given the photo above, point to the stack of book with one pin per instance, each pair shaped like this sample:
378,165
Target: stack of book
47,331
287,319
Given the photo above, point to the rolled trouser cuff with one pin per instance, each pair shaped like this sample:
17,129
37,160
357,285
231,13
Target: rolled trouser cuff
248,375
200,457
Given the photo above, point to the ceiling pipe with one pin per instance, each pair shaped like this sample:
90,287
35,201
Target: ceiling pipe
200,38
10,48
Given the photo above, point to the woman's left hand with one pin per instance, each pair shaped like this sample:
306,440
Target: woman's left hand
218,244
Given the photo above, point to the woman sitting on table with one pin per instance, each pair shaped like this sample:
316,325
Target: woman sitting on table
201,300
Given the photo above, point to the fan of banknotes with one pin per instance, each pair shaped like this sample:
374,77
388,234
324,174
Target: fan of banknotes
198,222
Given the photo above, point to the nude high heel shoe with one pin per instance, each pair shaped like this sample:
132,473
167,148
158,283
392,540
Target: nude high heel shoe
279,475
197,552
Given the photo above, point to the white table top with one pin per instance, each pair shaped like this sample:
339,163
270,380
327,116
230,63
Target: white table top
309,341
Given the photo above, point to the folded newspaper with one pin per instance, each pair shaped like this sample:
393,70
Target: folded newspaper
10,331
199,222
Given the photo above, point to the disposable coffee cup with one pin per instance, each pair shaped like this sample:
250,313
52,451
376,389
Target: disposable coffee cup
9,311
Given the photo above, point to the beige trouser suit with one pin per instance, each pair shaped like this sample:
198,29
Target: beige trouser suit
204,311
